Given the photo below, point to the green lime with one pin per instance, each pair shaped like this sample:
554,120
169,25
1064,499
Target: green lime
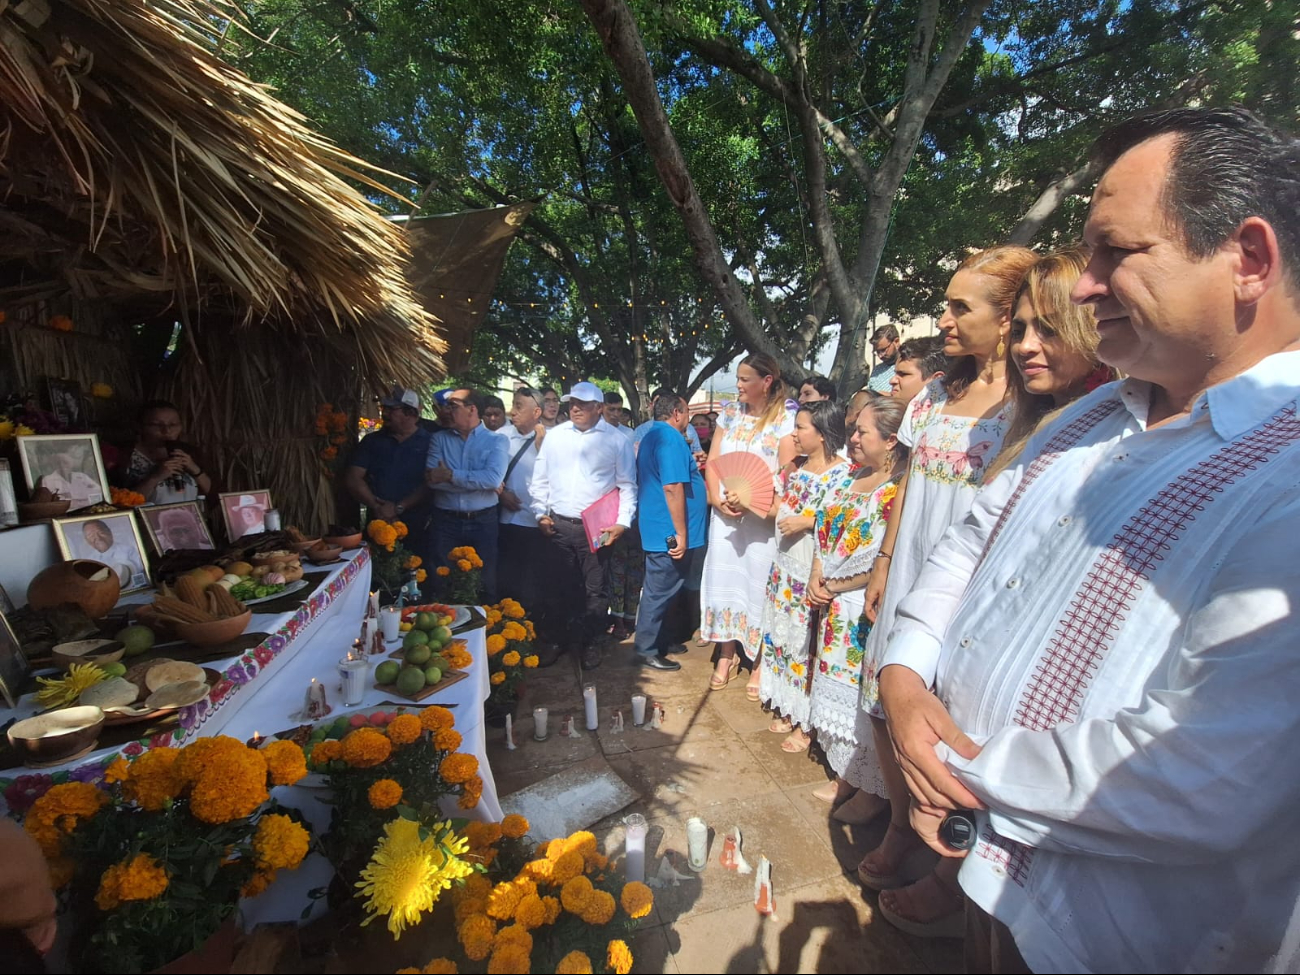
425,621
418,655
410,680
439,661
386,672
136,639
442,635
415,638
115,669
433,674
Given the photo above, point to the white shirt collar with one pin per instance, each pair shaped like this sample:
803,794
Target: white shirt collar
1235,406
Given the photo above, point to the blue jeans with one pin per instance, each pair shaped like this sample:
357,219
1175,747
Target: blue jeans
448,531
664,578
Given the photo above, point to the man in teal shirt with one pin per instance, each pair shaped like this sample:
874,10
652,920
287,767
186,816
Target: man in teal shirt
672,507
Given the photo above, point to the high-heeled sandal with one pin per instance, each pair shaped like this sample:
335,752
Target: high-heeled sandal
717,683
795,744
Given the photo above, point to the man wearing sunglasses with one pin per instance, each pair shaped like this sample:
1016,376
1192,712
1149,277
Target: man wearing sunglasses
465,467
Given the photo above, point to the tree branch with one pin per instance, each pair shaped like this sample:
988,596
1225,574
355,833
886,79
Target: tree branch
1048,201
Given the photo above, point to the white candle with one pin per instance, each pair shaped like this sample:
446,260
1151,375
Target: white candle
589,702
354,672
539,723
510,732
634,847
390,622
697,844
638,709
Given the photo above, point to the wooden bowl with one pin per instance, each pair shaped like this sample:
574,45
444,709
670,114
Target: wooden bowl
324,553
36,510
75,582
56,735
218,631
87,652
343,541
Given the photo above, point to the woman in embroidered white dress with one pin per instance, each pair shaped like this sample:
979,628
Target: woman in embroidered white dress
741,543
851,524
783,678
954,428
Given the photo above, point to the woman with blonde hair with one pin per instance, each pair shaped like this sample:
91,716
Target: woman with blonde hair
1053,344
955,428
742,544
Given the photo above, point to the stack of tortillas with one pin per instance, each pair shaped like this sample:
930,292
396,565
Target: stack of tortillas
168,683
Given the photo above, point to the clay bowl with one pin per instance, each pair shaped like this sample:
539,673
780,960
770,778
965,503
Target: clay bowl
218,631
77,582
324,553
36,510
343,541
87,652
305,544
56,735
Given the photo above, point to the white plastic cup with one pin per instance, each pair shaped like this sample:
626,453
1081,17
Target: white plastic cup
390,623
354,673
634,847
638,709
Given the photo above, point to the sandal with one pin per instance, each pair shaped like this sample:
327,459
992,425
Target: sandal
717,683
896,874
796,744
950,924
860,808
780,726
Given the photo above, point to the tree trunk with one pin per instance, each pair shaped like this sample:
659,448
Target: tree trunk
621,40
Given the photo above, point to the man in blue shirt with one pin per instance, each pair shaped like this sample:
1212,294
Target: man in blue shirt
386,470
672,506
640,433
465,467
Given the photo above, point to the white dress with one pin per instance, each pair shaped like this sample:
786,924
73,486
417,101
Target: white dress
734,584
949,455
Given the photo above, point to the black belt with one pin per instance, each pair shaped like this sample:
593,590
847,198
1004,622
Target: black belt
571,521
466,515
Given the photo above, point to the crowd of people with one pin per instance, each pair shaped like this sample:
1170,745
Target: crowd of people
1021,576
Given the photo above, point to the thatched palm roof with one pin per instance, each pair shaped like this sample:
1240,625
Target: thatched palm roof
137,166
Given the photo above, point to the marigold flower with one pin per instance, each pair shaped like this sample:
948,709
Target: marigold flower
404,729
366,748
599,909
231,787
61,323
482,834
413,562
58,813
257,883
513,609
618,957
442,571
498,678
440,966
574,963
117,770
511,658
279,843
513,934
463,565
384,794
510,960
495,644
531,661
447,740
471,793
540,870
475,934
568,866
552,905
637,899
326,751
458,768
329,453
575,894
137,879
154,779
505,897
285,761
458,656
434,718
473,905
401,529
421,575
531,912
514,826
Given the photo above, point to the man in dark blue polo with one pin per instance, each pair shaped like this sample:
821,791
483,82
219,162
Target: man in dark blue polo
386,471
672,506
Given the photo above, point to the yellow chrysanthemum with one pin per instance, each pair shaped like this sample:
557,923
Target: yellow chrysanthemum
575,894
599,909
514,826
434,718
404,729
618,957
326,751
153,779
637,899
280,843
384,794
510,658
574,963
495,644
366,748
447,740
407,874
137,879
285,761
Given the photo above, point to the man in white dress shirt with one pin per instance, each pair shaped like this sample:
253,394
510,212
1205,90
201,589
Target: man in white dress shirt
581,461
525,569
1109,634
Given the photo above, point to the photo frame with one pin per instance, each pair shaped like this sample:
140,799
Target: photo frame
244,512
66,402
14,667
113,539
175,526
69,464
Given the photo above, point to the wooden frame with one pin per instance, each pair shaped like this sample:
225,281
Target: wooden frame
152,516
232,501
36,452
67,401
74,544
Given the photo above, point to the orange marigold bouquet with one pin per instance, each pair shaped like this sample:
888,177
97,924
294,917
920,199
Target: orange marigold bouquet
392,562
559,908
462,584
510,650
154,858
331,427
402,769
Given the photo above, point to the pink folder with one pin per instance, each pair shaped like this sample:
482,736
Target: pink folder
598,516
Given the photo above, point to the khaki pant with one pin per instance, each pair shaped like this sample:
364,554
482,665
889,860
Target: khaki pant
989,948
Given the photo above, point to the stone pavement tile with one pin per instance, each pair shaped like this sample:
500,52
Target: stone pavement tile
790,770
535,754
691,776
650,952
554,687
822,927
743,715
686,719
849,843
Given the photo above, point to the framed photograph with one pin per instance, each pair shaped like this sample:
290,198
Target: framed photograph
113,539
8,499
13,664
66,402
69,464
244,512
175,526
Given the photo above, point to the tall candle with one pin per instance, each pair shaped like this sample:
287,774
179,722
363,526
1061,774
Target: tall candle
638,709
539,723
634,847
697,844
510,732
589,702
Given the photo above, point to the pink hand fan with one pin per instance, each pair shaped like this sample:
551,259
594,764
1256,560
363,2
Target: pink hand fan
750,479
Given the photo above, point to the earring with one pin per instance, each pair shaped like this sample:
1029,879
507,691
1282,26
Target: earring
1002,349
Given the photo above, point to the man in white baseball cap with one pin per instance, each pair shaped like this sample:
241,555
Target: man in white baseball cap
581,461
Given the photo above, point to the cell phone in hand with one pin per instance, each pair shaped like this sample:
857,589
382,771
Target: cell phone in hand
603,540
670,541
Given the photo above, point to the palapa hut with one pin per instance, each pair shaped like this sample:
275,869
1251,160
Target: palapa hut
153,197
